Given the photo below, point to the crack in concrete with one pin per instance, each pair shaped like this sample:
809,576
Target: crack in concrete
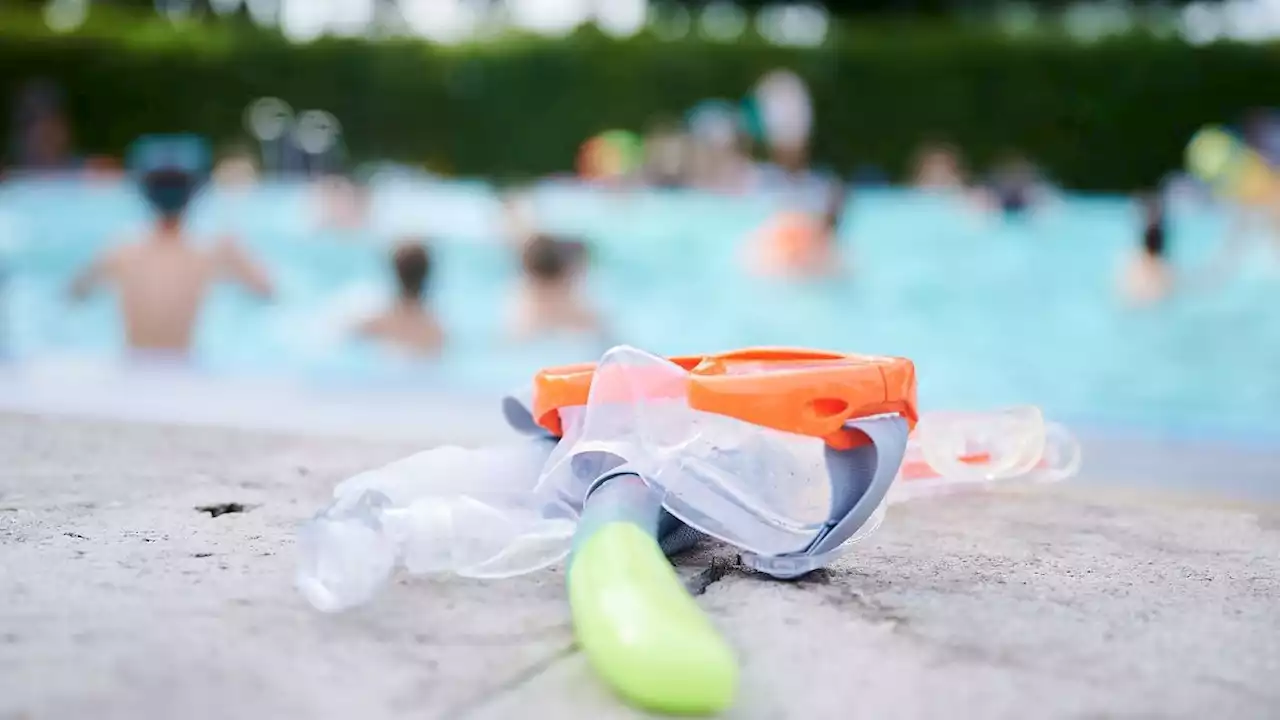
710,575
841,596
844,598
870,609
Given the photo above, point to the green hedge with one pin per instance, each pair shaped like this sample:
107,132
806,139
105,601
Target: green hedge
1114,115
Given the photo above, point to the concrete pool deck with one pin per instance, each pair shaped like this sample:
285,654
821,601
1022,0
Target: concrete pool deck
122,600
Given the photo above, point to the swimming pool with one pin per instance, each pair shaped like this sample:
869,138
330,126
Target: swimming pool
992,313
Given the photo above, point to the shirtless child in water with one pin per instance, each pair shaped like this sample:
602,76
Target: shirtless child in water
1147,276
408,324
548,302
161,279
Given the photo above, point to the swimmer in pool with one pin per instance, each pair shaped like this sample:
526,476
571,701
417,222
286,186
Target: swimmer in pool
409,324
667,151
1255,204
1015,187
548,301
162,279
236,169
1147,277
938,168
797,244
343,202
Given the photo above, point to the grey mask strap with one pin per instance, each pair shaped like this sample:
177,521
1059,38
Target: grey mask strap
516,408
860,478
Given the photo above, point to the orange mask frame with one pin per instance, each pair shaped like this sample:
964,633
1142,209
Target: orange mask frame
805,392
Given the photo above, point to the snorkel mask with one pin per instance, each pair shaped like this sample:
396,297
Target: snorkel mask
785,454
788,455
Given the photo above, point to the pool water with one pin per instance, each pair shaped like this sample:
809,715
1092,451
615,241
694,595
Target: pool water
992,312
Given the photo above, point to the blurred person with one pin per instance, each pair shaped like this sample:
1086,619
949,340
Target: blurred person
795,186
719,169
41,140
1261,131
1262,135
409,325
1014,186
548,300
237,168
1147,277
784,110
667,155
343,202
938,168
789,174
1250,188
162,279
801,245
785,117
719,161
800,239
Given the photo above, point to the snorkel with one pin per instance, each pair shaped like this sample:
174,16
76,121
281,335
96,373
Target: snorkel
788,456
657,490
